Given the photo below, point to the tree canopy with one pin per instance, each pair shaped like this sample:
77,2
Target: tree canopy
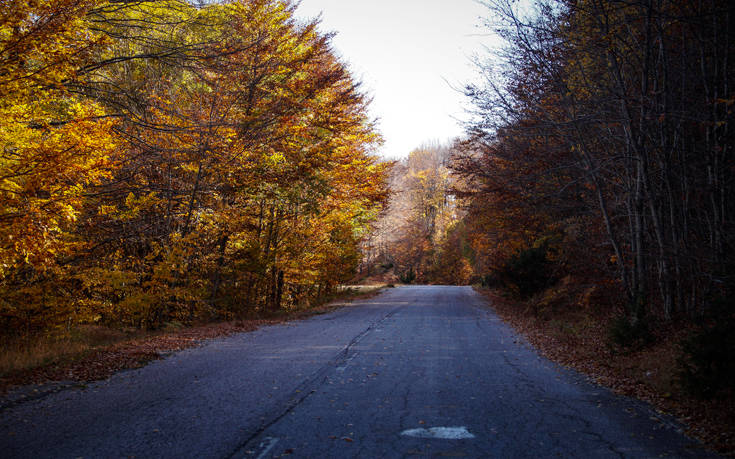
176,161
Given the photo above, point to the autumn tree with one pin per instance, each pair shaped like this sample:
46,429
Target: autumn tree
633,97
244,174
422,215
56,146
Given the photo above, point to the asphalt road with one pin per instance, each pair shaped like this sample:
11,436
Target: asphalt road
413,372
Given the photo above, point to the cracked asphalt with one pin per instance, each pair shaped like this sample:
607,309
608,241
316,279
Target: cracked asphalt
350,383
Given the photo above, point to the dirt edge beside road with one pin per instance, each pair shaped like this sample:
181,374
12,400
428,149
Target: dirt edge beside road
103,362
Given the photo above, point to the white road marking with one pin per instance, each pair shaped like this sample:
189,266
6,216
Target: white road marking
268,443
444,433
343,367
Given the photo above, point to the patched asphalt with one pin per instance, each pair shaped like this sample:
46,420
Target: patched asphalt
425,371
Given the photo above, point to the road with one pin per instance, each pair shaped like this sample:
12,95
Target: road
425,371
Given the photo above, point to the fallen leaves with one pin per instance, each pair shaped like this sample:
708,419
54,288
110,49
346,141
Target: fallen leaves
103,363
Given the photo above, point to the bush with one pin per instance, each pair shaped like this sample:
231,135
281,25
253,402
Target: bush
490,280
408,277
630,334
529,271
707,363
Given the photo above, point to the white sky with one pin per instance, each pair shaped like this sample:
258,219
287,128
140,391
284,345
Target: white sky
403,51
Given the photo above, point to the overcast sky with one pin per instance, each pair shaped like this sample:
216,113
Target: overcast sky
408,54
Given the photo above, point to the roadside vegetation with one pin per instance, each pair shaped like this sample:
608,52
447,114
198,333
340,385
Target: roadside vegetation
92,352
167,164
174,162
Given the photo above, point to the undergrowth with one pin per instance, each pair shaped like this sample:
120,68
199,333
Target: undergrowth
21,353
26,352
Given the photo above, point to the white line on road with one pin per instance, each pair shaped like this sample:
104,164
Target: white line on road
268,443
444,433
343,367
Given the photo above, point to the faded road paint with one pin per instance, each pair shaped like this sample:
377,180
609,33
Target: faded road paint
443,433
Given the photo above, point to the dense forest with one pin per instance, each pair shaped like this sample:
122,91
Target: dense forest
601,146
172,161
609,125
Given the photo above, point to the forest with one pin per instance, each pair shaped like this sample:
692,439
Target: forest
171,162
611,122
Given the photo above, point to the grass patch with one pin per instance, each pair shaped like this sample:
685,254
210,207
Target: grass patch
29,352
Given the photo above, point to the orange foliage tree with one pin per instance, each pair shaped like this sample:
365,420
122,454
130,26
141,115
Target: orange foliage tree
226,165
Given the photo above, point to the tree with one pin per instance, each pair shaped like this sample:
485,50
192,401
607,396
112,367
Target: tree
228,166
632,93
56,146
421,216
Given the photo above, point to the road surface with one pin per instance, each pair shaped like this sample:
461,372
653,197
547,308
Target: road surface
413,372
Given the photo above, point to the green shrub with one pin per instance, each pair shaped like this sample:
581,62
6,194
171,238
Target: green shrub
529,271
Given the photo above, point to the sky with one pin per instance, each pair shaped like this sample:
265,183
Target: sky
412,56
